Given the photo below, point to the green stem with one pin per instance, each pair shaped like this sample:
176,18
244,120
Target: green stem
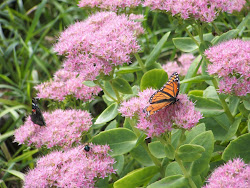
140,62
223,102
216,29
116,92
178,160
186,174
144,145
191,36
105,91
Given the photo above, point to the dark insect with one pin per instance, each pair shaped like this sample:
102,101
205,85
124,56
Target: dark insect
164,96
87,148
37,116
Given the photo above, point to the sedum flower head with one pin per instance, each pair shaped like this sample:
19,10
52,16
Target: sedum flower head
185,60
235,174
66,83
231,63
99,43
63,128
72,168
109,4
204,10
181,114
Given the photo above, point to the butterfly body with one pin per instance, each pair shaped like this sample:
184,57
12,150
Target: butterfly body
165,96
37,116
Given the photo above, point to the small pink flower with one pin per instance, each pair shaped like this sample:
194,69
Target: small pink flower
63,129
109,4
204,10
66,83
72,168
181,114
185,60
96,45
235,174
231,63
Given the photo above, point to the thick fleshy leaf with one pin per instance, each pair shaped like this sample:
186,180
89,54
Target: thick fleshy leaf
111,125
195,131
137,177
140,154
211,93
243,110
186,44
169,150
157,149
89,83
108,88
173,169
238,148
122,86
234,102
207,107
226,36
206,140
155,78
176,181
119,163
108,114
232,129
157,50
190,152
219,129
126,70
198,93
120,140
246,104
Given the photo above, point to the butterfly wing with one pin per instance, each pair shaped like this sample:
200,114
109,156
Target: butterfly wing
151,109
37,116
164,96
168,92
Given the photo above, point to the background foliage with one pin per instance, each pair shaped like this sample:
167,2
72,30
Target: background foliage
28,30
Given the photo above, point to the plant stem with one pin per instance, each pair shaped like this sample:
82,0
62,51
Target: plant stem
144,145
186,174
116,92
140,62
223,102
178,160
105,91
191,36
216,29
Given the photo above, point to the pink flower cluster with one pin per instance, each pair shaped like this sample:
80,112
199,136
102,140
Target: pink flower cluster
182,114
63,128
204,10
185,61
235,174
231,63
72,168
99,43
109,4
66,83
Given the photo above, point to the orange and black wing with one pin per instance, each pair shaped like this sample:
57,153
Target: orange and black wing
164,96
151,109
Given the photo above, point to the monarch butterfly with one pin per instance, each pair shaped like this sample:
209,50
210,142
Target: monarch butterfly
164,96
37,116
